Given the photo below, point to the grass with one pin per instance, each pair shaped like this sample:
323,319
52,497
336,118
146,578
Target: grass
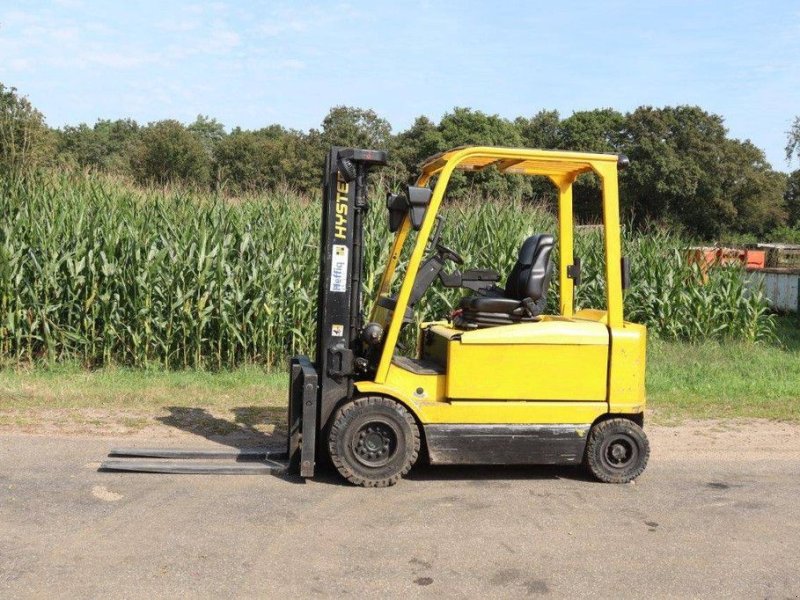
71,399
70,386
684,381
727,380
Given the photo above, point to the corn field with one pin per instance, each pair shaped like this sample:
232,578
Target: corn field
92,269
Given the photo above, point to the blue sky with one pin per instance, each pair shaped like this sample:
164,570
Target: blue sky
256,63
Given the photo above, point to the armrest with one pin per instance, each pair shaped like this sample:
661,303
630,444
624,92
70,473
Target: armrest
489,275
472,279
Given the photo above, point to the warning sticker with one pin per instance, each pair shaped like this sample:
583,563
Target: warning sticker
339,268
337,330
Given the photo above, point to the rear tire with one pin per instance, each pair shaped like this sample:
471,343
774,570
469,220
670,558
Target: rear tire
617,451
373,441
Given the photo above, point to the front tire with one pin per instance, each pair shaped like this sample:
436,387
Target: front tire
617,451
373,441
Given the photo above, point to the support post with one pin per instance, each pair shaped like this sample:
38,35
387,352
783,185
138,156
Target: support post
613,244
565,244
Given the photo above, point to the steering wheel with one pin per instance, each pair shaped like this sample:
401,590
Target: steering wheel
447,254
430,270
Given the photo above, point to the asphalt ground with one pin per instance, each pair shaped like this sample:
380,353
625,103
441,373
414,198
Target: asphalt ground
716,515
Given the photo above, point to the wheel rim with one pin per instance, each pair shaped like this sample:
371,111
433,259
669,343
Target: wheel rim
619,452
375,443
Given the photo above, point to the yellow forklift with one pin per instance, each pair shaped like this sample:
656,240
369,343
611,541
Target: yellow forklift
497,382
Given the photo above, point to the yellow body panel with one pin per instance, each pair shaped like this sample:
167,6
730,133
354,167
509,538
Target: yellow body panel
527,372
431,406
554,359
626,392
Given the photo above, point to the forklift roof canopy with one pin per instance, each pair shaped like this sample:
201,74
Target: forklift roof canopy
520,161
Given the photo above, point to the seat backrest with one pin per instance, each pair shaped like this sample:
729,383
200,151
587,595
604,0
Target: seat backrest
530,276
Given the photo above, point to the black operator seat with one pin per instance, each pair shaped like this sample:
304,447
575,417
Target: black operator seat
525,295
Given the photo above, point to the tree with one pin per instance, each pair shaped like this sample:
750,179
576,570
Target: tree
676,153
105,146
599,131
467,126
299,160
756,191
411,147
542,130
25,140
792,199
168,152
793,141
269,157
342,126
249,160
356,128
684,168
209,131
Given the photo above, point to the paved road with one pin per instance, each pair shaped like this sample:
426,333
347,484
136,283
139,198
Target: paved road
717,514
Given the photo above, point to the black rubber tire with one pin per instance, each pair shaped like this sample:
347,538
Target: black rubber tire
617,451
355,421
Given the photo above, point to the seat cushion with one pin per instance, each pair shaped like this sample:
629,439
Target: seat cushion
490,304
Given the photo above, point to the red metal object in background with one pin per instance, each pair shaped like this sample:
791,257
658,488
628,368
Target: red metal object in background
755,259
706,256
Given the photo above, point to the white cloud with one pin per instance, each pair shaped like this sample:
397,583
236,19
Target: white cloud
65,34
223,40
99,28
291,63
310,18
119,60
19,64
17,18
71,4
180,26
278,27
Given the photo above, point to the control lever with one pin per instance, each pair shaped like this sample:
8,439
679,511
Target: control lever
430,270
433,241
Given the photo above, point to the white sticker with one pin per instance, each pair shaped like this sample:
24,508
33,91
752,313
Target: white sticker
337,330
339,268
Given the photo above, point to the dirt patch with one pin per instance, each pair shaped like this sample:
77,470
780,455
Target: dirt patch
737,439
101,492
245,420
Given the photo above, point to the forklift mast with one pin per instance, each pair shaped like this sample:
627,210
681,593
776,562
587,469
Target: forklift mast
316,389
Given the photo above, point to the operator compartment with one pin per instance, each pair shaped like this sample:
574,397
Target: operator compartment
554,358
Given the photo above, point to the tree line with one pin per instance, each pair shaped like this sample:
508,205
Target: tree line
685,169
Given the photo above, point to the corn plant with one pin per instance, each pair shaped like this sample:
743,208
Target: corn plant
96,270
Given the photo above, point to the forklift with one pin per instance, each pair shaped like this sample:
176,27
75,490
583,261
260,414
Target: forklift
497,382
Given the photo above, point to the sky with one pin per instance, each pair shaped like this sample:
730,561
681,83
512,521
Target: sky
256,63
